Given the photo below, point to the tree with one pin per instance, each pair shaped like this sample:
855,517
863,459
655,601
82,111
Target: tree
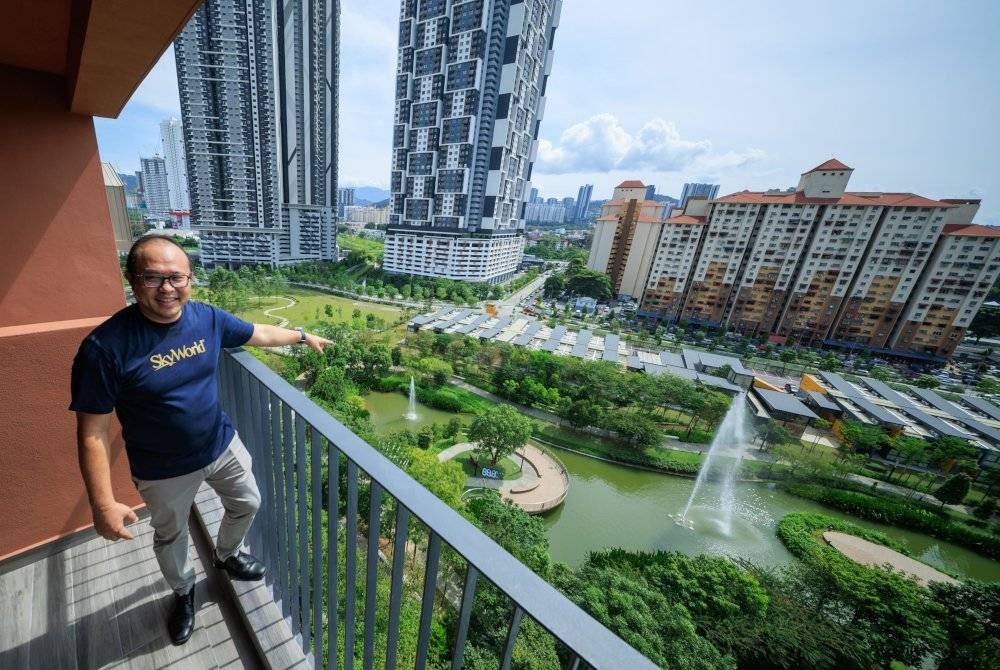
445,480
954,490
436,369
971,622
908,450
863,438
589,283
710,411
331,385
397,355
986,323
499,431
881,373
773,433
946,451
985,509
553,286
642,598
830,363
988,385
328,310
453,427
425,438
927,382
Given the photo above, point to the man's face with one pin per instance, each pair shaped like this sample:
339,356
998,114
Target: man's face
161,304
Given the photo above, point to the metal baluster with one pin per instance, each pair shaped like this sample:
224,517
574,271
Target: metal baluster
332,526
396,590
508,648
267,455
427,602
278,513
468,595
371,586
316,475
292,582
302,539
257,449
351,563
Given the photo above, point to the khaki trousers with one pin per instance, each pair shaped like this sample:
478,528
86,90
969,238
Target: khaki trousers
169,502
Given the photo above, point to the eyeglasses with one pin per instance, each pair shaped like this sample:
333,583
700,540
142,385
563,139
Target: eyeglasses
156,281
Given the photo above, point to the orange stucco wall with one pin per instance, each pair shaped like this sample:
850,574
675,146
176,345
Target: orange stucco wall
58,265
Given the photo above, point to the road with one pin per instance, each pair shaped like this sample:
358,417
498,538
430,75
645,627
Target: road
510,303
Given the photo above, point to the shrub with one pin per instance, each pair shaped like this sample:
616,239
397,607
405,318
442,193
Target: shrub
985,509
954,490
902,514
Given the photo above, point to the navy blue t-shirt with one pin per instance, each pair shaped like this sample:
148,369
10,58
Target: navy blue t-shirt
160,379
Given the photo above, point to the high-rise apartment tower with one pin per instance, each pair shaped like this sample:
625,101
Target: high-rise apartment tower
470,90
154,187
172,137
258,90
583,201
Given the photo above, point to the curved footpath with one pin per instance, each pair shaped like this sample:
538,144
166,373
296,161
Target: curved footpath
542,486
282,321
871,554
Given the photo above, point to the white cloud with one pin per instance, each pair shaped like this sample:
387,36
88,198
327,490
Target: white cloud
601,144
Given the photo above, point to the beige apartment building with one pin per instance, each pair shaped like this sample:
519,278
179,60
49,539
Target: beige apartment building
625,238
675,254
963,267
818,263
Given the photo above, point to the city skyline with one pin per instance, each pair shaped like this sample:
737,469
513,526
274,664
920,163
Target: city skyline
900,140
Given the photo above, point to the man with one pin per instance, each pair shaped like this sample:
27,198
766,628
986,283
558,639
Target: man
155,363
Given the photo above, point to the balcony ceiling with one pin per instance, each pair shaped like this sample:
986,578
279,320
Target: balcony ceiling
103,48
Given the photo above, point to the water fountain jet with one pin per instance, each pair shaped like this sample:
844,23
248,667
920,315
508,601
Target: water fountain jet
730,440
411,412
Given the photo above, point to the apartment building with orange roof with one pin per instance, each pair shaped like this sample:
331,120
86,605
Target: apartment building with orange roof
963,267
625,238
680,240
818,263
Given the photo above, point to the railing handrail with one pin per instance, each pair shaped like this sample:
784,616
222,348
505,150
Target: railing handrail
590,640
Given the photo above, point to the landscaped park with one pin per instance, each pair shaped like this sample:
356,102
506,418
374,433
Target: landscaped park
702,539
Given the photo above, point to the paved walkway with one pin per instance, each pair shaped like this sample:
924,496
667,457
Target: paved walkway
871,554
543,483
282,321
907,492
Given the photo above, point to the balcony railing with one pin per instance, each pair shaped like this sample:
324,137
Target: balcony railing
292,440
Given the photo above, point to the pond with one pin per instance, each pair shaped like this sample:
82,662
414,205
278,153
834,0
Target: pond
387,410
611,505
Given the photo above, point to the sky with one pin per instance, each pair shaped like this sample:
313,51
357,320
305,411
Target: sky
746,95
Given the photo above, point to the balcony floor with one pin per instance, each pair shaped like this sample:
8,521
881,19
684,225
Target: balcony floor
103,604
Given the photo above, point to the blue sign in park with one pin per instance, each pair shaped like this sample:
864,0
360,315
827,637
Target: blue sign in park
490,473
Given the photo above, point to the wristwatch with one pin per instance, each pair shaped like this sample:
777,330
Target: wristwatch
302,333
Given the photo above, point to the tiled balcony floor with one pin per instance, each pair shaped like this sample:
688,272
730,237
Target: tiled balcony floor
103,604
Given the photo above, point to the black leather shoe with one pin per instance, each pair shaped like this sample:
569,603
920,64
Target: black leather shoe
242,566
180,622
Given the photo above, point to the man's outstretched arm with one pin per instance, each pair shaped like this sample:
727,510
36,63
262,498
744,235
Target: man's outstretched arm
265,335
93,450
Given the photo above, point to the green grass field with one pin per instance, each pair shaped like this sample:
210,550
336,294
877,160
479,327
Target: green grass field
362,244
308,302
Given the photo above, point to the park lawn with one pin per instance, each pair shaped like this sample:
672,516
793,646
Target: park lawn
304,312
510,469
363,244
660,458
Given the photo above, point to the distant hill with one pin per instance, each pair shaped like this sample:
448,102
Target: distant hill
131,181
366,195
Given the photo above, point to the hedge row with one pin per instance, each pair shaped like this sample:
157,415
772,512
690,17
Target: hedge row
902,514
798,532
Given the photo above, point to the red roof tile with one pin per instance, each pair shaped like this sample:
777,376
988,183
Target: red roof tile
686,218
832,164
632,183
971,230
863,199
